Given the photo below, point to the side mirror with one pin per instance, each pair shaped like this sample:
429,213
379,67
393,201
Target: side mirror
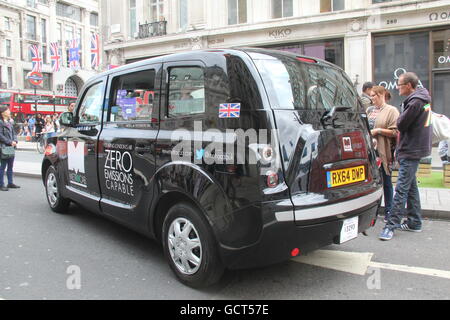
66,119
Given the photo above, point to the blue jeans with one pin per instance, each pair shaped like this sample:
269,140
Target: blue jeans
6,163
406,192
388,192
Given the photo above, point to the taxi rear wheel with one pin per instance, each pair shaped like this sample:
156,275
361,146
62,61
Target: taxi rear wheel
57,203
190,247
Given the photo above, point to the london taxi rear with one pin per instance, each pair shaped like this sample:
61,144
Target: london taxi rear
292,168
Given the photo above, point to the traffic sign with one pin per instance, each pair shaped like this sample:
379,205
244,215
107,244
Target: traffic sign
35,78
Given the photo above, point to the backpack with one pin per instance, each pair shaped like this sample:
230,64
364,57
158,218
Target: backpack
441,127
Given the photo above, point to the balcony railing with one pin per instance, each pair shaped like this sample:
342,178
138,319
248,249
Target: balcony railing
152,29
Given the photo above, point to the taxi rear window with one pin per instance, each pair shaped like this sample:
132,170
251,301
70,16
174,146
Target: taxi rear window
292,84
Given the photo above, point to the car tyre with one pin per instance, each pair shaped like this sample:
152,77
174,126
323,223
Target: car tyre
190,247
57,203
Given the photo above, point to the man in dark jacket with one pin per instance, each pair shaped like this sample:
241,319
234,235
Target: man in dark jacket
414,125
365,96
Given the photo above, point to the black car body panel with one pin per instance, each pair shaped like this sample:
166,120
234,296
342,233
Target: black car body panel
133,171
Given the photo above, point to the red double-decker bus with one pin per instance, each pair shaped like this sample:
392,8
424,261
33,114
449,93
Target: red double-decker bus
30,104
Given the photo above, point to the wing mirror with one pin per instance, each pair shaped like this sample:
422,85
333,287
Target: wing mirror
66,119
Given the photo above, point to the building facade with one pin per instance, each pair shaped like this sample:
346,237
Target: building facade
374,40
40,22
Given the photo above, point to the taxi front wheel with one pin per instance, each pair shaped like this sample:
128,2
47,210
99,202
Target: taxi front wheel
55,200
190,247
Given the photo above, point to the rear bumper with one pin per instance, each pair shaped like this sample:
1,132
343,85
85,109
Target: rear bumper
281,235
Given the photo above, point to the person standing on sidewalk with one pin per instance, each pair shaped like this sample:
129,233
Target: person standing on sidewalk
414,125
385,132
71,107
365,96
8,137
39,124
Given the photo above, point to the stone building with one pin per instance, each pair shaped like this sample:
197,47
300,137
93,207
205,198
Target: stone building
40,22
370,39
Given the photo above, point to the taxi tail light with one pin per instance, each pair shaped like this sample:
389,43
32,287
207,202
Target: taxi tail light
272,179
50,149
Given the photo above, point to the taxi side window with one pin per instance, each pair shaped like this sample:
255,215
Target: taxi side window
132,96
91,106
186,91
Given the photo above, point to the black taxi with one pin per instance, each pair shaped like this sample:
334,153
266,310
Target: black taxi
231,158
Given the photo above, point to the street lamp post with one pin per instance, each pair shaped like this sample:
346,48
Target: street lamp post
35,101
54,103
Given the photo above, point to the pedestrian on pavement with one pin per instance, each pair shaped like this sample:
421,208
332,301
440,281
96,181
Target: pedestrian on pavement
31,123
8,137
39,125
49,128
56,122
385,132
444,151
365,96
414,125
71,107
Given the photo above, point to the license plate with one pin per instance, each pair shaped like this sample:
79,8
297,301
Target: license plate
349,230
345,176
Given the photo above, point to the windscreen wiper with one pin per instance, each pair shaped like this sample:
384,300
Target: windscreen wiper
328,115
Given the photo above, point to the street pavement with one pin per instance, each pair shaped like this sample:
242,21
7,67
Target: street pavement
435,202
41,252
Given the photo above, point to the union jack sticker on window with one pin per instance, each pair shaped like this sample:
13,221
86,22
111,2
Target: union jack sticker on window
229,110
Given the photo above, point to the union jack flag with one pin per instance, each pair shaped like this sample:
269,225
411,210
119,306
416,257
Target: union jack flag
36,58
95,51
229,110
74,54
55,56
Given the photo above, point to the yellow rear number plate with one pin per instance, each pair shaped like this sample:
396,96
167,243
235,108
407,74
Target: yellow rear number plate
345,176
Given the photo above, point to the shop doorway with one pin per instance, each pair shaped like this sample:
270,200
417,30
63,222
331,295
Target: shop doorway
441,92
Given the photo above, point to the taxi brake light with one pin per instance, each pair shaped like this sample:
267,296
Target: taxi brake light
306,60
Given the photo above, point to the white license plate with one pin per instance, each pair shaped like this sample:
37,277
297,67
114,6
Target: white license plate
349,229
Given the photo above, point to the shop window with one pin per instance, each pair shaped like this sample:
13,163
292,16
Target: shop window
441,49
186,91
132,96
397,54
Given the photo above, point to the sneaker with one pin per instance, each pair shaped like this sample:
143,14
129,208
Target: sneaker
386,234
3,189
13,186
406,227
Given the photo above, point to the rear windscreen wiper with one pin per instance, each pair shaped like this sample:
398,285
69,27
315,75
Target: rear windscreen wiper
330,114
